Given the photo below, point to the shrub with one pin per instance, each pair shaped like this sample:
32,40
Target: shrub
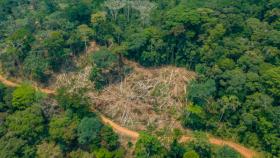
24,96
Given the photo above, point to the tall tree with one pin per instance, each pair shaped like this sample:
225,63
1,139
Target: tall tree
149,146
272,82
15,148
114,6
145,8
63,129
89,131
85,33
47,150
27,124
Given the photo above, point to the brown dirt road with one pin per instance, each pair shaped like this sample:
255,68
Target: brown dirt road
247,153
7,82
119,129
14,84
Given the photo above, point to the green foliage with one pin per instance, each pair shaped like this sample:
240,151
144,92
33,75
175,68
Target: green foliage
110,140
79,11
226,151
176,150
200,92
16,49
85,33
63,129
36,67
15,148
226,64
98,78
119,153
105,69
251,61
272,81
73,103
149,146
27,124
80,154
44,35
194,117
201,146
232,82
46,150
150,59
2,92
54,44
191,154
24,96
103,153
179,15
5,98
89,131
229,105
104,59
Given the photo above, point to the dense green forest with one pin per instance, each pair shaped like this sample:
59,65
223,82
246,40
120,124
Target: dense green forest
233,46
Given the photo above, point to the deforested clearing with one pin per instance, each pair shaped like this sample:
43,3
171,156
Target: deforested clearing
146,98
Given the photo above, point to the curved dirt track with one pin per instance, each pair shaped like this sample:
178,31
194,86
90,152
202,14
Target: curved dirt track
7,82
119,129
247,153
14,84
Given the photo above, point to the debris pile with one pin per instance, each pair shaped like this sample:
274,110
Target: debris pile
75,80
146,97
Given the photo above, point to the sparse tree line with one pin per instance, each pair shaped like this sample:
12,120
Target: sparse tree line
232,45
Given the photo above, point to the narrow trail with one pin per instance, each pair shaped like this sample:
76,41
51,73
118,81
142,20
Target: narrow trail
245,152
119,129
7,82
14,84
